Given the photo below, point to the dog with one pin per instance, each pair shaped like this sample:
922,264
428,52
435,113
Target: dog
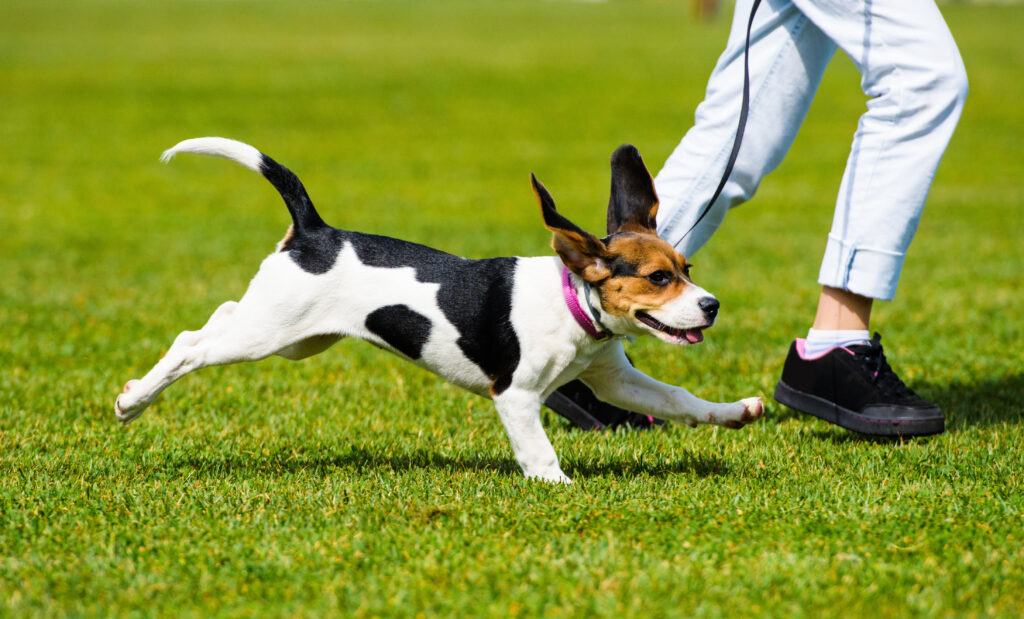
511,329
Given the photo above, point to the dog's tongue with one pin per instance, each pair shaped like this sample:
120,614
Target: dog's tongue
694,335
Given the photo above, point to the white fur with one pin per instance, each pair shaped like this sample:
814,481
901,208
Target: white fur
234,150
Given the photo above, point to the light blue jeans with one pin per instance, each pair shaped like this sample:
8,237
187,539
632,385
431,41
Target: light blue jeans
911,71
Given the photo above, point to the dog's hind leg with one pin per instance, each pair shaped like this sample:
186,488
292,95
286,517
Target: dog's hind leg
519,411
235,332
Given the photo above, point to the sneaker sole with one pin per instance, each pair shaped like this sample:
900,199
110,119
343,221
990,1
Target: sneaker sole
845,418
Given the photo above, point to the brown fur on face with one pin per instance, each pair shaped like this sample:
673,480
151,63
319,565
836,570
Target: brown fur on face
632,257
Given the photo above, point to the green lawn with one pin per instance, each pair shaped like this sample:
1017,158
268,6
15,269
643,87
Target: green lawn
355,484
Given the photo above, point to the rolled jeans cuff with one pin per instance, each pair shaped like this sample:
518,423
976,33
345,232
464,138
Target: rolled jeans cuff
867,271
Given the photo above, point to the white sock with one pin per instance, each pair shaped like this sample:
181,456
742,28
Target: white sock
820,341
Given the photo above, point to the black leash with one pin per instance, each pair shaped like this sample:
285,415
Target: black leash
740,126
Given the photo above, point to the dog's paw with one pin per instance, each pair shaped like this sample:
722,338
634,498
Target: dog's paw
751,411
124,410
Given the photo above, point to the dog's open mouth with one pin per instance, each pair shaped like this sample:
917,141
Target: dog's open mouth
693,336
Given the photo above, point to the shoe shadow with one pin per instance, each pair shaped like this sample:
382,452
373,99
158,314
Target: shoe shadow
284,460
983,403
842,436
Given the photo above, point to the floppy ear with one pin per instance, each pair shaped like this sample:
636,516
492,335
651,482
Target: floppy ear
583,253
634,204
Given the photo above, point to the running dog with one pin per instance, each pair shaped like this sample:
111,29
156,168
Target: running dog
511,329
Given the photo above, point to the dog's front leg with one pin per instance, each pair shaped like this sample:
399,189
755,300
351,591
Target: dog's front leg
519,411
616,381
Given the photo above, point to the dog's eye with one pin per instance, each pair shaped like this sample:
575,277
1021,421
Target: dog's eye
686,270
660,278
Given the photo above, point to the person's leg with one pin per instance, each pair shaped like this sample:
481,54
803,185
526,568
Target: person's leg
916,80
913,72
842,310
788,56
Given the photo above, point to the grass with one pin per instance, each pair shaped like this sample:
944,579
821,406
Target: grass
355,484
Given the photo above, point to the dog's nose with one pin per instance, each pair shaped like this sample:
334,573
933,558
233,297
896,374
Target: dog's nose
709,305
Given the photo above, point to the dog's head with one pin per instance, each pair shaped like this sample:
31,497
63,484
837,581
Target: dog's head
643,282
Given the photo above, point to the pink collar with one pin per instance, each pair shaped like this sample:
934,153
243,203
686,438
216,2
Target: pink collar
573,301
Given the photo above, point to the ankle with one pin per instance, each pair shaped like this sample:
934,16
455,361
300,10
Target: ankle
842,310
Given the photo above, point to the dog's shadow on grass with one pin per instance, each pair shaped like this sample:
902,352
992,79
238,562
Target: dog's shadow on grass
688,464
284,460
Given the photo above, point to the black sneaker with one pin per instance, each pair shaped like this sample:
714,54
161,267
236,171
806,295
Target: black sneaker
855,388
577,403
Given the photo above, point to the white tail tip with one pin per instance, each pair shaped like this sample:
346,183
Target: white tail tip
236,151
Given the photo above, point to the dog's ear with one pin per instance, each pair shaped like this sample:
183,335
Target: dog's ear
633,205
583,253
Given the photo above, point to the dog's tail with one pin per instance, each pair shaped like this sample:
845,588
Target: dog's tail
304,216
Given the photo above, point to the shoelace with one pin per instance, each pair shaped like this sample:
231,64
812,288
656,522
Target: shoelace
873,361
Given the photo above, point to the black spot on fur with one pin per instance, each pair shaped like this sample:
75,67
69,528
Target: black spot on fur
315,251
475,296
620,267
479,304
402,328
